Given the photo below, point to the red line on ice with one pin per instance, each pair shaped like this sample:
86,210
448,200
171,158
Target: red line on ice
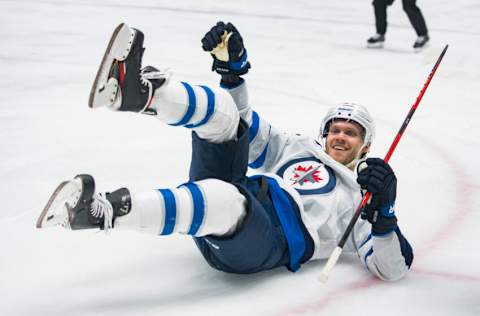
447,275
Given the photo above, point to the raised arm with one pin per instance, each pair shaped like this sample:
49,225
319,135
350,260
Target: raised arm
224,42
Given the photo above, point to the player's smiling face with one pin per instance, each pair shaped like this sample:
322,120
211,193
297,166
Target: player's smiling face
345,141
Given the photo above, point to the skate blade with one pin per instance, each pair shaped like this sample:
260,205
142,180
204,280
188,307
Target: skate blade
420,49
104,89
376,45
57,212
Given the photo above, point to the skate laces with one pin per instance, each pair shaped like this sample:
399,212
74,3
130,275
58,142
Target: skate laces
102,207
147,75
150,73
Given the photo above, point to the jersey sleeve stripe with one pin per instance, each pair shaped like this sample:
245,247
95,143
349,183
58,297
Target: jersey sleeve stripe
253,130
405,247
170,211
260,160
368,254
366,240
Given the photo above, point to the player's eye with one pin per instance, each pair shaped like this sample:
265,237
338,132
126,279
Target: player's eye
351,133
334,131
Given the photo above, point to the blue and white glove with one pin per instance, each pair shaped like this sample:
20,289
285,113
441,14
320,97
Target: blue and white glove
225,44
379,179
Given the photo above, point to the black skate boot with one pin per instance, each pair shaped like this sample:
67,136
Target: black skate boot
119,83
421,42
376,41
75,205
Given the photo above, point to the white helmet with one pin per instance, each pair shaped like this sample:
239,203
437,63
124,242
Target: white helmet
349,111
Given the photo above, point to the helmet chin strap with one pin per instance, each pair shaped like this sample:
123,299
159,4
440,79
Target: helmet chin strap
353,164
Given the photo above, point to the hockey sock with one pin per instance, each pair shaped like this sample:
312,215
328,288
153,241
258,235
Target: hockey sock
207,207
210,112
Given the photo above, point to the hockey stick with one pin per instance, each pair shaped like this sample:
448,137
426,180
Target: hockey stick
332,260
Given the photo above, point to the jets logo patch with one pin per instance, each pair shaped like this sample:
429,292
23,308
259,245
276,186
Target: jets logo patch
308,175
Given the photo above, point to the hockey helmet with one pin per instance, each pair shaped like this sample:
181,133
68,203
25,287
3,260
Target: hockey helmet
350,112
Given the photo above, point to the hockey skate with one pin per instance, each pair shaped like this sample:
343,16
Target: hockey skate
75,205
120,84
376,41
421,42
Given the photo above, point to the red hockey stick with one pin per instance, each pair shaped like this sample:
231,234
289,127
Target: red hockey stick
332,260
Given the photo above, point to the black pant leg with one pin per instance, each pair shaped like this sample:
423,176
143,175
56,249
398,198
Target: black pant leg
226,161
380,9
415,16
259,243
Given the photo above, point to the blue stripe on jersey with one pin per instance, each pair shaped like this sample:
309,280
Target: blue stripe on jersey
192,104
170,211
210,108
198,207
290,224
405,247
260,160
366,240
368,254
253,130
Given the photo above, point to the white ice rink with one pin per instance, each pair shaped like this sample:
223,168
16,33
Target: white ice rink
306,55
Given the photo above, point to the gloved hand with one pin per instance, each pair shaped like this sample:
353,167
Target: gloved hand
225,44
379,179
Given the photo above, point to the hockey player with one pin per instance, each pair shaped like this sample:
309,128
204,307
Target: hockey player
414,15
294,211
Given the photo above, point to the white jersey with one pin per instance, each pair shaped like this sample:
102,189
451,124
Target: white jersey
326,191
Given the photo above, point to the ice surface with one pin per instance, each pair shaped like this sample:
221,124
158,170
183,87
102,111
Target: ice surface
306,56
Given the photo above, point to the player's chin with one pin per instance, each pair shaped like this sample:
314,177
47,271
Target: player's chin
341,156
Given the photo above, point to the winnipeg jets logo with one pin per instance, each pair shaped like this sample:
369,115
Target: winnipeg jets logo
303,174
308,175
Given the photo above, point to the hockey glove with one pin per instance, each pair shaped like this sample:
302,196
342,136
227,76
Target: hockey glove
378,178
225,44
